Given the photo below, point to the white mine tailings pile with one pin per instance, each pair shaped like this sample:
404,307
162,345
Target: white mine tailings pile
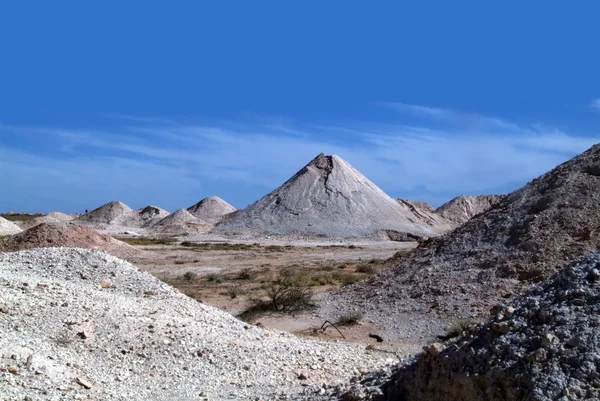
326,199
211,209
85,325
180,221
8,227
105,214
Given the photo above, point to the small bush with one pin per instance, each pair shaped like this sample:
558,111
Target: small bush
288,294
215,278
179,262
350,319
348,279
245,274
189,276
234,292
368,269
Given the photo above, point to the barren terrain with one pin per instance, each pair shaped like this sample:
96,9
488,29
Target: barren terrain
232,275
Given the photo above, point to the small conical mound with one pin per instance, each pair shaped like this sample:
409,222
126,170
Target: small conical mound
66,234
542,346
151,215
141,218
105,214
211,209
7,227
180,222
60,216
463,208
327,198
522,239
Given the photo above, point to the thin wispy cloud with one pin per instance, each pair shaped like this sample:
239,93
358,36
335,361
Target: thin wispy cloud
595,104
174,166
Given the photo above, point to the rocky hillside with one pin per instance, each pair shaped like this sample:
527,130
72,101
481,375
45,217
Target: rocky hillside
327,198
522,239
544,345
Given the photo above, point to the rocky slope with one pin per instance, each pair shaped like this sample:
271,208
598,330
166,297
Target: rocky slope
522,239
211,209
544,345
80,324
327,198
463,208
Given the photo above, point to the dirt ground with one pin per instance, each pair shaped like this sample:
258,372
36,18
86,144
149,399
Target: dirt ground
233,276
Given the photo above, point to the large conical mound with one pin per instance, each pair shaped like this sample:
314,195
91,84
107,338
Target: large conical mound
542,346
327,198
105,214
66,234
180,222
7,227
463,208
211,209
522,239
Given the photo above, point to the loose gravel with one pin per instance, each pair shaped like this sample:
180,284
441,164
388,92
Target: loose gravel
81,324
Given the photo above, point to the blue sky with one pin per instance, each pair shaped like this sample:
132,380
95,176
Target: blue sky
156,103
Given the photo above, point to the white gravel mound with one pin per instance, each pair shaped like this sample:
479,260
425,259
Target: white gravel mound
180,221
60,216
141,218
211,209
8,227
105,214
327,198
77,323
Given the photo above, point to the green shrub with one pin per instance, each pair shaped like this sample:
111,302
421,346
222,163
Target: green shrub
189,276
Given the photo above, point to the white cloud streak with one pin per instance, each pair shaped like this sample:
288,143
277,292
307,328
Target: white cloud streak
177,165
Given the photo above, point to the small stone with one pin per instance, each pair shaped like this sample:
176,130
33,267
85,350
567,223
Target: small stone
434,349
548,340
13,369
302,376
314,367
105,284
501,327
84,383
3,308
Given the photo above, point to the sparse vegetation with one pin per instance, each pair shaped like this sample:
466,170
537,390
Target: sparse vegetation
290,293
367,269
189,276
350,319
246,274
149,241
21,216
215,278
